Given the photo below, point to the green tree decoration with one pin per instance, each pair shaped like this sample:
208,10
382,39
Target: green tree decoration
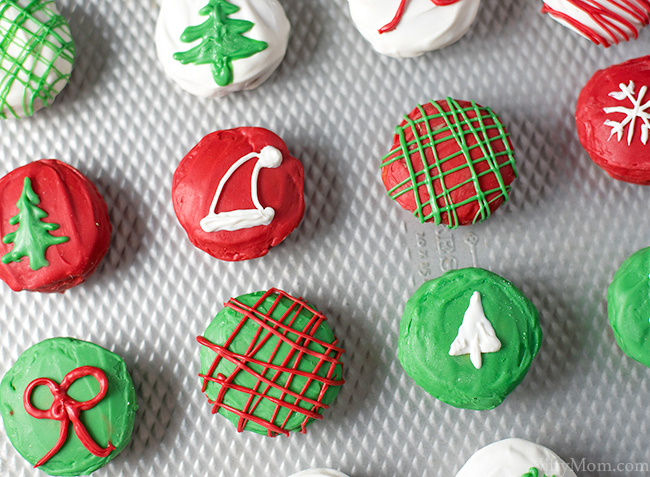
223,41
533,472
32,238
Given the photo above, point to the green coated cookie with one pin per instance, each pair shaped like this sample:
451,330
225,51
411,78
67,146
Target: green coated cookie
88,380
628,306
488,325
269,363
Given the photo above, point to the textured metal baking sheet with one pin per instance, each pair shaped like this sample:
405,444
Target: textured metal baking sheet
356,255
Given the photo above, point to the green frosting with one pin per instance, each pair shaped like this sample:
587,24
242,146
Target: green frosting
628,306
109,420
534,472
430,324
222,41
32,238
225,324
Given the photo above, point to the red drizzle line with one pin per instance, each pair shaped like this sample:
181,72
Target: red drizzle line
66,409
606,19
268,328
400,11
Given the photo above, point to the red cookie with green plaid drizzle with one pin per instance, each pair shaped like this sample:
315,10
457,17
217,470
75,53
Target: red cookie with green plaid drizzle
451,163
270,363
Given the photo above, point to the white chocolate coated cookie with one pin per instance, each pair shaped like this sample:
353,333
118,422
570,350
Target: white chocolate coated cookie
604,22
424,25
319,473
248,69
514,458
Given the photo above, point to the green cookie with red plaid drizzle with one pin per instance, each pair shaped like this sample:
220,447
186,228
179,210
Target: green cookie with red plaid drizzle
451,163
270,363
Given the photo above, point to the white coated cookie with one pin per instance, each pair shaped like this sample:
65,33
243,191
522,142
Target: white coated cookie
423,27
319,473
514,458
270,25
37,55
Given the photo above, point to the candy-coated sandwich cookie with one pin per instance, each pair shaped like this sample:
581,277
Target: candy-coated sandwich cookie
613,120
54,227
628,306
451,163
403,28
604,22
270,363
468,338
238,193
68,406
215,47
36,56
515,458
319,473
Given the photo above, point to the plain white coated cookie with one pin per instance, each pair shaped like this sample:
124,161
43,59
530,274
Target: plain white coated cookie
319,473
514,458
423,27
270,25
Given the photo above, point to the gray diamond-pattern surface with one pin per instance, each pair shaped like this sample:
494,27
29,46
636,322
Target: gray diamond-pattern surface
356,255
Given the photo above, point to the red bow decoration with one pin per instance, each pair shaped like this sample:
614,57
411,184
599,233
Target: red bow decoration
400,11
66,409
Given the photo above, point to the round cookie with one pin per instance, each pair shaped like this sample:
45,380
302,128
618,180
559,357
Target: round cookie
515,458
54,227
451,163
319,473
55,380
403,29
604,22
269,363
37,55
238,193
215,47
612,117
468,338
628,306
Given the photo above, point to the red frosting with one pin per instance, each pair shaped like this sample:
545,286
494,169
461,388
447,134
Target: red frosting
198,175
623,161
400,11
472,187
70,201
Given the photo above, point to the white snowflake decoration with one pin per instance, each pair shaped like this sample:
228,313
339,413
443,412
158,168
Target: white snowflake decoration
631,114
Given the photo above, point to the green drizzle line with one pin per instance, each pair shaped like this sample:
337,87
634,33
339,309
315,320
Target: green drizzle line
23,62
223,41
32,238
474,126
534,472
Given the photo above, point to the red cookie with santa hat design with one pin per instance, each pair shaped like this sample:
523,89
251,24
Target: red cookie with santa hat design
238,193
54,227
613,120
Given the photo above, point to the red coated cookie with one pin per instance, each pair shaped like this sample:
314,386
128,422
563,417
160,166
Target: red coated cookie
612,117
238,193
54,226
451,163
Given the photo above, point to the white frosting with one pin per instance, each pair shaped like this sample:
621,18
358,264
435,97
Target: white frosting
476,334
514,458
319,473
18,96
423,26
270,25
638,110
578,14
243,218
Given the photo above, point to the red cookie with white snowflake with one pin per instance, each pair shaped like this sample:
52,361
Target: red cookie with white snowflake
238,193
54,226
451,163
612,117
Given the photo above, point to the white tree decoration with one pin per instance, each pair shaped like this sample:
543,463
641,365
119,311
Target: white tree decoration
476,334
631,114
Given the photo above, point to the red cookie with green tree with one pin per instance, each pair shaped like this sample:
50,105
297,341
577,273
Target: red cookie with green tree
54,227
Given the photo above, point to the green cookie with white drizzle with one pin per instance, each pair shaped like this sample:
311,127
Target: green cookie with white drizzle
628,306
468,338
